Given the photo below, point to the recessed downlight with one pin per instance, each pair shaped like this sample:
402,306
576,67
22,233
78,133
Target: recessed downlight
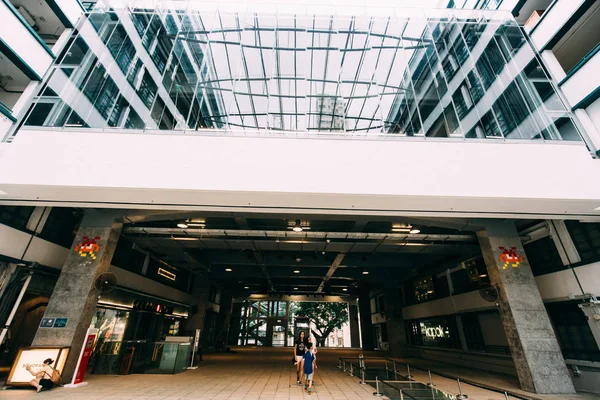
414,231
246,287
295,288
297,227
365,272
228,269
345,289
296,271
182,225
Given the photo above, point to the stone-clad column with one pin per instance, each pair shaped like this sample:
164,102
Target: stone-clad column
395,323
536,353
74,295
353,320
366,325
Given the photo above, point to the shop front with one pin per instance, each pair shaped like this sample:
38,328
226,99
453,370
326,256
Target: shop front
135,334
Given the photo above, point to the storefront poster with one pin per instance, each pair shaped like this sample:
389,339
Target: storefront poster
34,357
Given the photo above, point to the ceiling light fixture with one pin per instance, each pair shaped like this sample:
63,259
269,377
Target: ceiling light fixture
482,275
296,271
297,227
228,269
295,288
246,287
414,231
345,289
182,225
365,272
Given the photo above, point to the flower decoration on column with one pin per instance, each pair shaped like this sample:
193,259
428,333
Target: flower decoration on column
510,257
88,247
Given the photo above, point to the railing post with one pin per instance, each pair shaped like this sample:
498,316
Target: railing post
409,376
362,374
506,396
401,395
430,384
351,369
377,393
460,395
344,367
394,363
340,362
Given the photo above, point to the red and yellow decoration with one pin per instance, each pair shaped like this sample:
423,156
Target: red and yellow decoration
510,256
88,247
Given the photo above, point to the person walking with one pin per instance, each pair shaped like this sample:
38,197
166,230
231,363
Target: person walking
299,351
310,365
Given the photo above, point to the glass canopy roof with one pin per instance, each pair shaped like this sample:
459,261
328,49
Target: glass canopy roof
193,66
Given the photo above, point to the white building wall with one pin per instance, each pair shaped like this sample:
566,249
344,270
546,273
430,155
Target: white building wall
392,176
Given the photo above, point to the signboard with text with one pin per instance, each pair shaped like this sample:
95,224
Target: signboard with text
59,322
34,357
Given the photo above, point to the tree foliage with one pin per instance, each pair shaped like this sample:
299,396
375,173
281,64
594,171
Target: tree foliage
325,316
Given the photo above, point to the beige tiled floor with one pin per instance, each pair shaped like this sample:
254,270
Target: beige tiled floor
263,373
257,374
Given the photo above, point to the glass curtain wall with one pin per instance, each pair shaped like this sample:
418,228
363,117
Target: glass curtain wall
177,66
263,323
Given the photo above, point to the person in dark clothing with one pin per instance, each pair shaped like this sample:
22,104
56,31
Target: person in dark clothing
299,350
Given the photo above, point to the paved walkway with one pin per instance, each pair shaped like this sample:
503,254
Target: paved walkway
263,373
259,373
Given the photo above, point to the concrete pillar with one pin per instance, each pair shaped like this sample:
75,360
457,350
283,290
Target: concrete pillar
395,322
536,353
225,311
234,325
75,296
198,310
354,331
366,326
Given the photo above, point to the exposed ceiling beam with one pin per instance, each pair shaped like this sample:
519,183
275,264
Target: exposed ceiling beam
241,222
359,225
461,224
232,233
261,262
334,265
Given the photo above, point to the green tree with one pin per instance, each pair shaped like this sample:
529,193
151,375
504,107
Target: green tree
325,317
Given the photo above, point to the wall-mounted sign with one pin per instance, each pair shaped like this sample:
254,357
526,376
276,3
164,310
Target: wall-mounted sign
60,322
436,332
47,323
510,257
88,247
152,307
167,274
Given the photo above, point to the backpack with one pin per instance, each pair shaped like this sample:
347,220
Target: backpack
55,377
